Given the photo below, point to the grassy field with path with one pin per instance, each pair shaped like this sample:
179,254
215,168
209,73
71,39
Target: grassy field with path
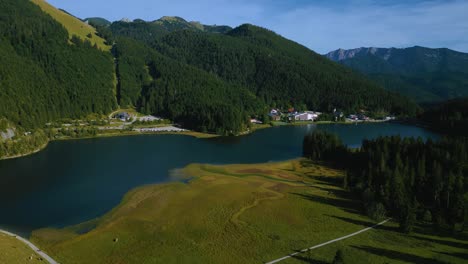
244,214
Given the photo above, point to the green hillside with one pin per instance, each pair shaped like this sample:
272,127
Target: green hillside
426,75
192,97
449,117
45,74
73,25
277,71
208,78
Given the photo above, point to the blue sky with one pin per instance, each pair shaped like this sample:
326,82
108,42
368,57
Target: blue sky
318,24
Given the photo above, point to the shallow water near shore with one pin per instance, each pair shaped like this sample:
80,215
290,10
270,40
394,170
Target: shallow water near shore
74,181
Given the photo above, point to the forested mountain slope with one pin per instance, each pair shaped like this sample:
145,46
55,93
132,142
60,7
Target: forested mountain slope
450,117
163,86
277,71
208,78
424,74
45,75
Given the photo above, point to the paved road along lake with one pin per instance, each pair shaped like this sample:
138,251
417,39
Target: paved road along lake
75,181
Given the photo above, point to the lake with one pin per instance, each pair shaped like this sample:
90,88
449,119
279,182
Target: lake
74,181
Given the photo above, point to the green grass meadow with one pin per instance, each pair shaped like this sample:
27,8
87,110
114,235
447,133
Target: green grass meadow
244,214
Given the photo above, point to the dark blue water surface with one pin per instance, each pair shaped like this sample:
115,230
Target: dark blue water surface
75,181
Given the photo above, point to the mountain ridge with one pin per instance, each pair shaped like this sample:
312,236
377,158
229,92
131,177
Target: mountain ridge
424,74
207,80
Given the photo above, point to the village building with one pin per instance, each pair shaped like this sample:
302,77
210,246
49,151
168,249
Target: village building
124,116
275,115
305,116
255,121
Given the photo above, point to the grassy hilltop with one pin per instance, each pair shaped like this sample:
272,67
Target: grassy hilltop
73,25
243,214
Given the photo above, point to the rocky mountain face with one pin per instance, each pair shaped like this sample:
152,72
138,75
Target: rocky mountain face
424,74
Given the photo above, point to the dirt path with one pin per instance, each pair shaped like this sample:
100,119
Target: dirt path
277,195
328,242
32,246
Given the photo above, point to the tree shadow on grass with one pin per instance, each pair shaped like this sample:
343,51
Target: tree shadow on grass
342,194
306,259
344,204
366,223
454,254
444,242
399,256
428,229
331,181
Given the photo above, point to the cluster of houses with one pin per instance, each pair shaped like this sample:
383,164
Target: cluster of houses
290,115
125,117
304,116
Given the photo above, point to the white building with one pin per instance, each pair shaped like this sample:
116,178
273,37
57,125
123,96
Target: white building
306,116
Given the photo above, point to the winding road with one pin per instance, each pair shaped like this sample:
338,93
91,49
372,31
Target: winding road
328,242
32,246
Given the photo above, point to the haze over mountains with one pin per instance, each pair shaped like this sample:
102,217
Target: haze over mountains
424,74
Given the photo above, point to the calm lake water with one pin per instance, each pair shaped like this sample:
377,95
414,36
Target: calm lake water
75,181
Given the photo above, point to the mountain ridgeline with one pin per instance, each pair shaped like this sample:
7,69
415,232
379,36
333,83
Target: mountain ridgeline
207,78
426,75
147,31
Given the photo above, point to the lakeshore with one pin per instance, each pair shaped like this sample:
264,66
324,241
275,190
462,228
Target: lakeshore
54,179
120,131
247,213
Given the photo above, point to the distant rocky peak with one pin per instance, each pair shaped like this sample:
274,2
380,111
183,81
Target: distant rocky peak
342,54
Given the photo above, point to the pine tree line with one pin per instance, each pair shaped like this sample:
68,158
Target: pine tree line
409,179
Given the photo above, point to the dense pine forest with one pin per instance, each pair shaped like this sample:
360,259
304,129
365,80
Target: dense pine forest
450,117
208,78
409,179
185,94
44,74
277,71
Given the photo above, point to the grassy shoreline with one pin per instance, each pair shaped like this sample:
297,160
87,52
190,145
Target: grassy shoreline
243,213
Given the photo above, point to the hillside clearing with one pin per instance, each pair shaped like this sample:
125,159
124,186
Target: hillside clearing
73,25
